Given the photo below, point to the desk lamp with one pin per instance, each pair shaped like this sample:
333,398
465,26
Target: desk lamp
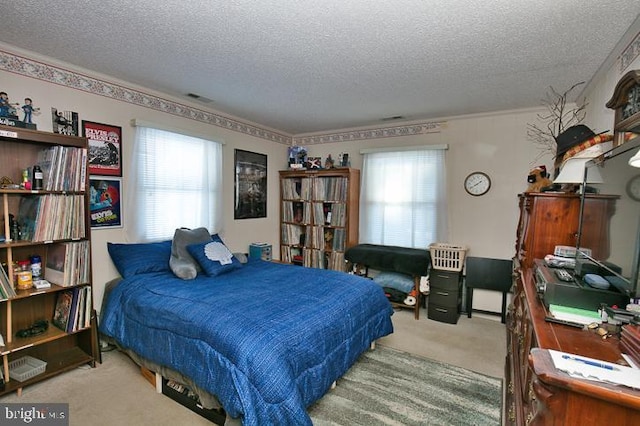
578,171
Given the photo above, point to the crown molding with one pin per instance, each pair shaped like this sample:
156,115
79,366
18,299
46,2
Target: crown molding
370,133
55,74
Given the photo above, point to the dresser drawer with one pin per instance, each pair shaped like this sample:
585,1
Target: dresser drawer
444,279
443,313
444,297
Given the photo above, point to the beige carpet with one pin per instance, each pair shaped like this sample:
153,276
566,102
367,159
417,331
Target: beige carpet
116,393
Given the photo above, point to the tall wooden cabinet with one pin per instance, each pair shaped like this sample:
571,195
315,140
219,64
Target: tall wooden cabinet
54,217
548,219
318,216
536,392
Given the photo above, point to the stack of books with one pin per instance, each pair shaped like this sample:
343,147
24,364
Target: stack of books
73,309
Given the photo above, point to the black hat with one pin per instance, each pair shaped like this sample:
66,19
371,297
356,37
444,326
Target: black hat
571,137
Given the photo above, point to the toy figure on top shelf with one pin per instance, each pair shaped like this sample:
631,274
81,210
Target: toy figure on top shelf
297,157
28,110
6,108
328,163
8,113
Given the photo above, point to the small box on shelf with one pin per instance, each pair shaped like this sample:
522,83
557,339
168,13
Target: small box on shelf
261,251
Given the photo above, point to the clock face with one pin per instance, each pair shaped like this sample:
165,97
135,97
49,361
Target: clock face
633,187
477,183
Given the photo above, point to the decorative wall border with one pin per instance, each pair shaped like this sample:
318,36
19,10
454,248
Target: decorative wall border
630,53
16,64
357,135
60,76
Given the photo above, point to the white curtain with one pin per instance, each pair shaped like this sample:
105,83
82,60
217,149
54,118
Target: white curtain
174,181
403,198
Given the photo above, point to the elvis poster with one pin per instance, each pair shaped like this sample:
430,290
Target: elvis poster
105,202
105,148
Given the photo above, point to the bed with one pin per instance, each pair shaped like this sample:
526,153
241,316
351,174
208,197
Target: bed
266,339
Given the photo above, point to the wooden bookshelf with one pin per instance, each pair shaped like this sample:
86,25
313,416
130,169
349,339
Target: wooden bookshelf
65,221
319,212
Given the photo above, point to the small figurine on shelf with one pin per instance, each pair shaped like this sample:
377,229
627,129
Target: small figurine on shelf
328,163
297,157
14,228
344,160
26,181
28,110
6,108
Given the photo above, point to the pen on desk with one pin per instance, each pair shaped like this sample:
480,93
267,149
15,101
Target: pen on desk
589,362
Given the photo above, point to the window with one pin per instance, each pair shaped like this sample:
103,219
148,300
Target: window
402,199
175,181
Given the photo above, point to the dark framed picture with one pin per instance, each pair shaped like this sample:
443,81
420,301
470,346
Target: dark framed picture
64,122
250,185
105,202
105,148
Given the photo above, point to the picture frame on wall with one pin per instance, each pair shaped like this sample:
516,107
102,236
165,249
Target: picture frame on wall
105,148
105,202
250,185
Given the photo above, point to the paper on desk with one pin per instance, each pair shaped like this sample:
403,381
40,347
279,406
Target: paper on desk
581,316
575,366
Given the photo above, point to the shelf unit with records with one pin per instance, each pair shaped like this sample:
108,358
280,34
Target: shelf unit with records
318,216
51,224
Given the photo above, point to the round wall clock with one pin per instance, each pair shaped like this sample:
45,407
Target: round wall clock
477,183
633,188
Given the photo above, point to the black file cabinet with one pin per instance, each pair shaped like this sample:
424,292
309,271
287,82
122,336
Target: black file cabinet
445,296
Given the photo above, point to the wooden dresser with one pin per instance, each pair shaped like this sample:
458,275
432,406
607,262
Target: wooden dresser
548,219
537,393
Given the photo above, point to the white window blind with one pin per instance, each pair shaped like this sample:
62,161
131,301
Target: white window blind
403,197
176,181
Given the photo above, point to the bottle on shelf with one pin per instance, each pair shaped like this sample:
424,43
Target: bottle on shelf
37,177
25,279
36,266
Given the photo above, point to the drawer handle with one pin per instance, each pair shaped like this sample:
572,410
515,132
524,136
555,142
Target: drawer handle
442,293
442,310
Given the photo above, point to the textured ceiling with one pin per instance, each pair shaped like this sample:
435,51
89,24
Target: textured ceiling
301,66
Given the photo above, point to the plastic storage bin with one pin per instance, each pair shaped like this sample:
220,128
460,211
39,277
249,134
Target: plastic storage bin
25,368
447,257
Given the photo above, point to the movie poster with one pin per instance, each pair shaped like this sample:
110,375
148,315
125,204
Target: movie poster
105,148
105,202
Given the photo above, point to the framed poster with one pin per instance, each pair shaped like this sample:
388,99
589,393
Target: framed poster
105,148
105,202
250,190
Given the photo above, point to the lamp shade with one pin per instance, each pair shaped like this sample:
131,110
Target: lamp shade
635,160
573,169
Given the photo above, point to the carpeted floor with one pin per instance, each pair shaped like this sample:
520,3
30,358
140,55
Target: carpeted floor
116,393
390,387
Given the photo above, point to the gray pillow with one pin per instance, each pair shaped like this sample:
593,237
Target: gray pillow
181,262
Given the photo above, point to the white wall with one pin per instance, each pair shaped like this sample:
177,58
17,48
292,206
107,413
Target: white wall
493,143
237,234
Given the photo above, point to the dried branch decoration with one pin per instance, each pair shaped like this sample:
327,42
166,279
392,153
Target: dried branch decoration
557,119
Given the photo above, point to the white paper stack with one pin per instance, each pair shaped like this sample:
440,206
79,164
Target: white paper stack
594,369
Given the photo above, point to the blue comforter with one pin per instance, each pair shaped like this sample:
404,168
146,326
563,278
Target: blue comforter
267,339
